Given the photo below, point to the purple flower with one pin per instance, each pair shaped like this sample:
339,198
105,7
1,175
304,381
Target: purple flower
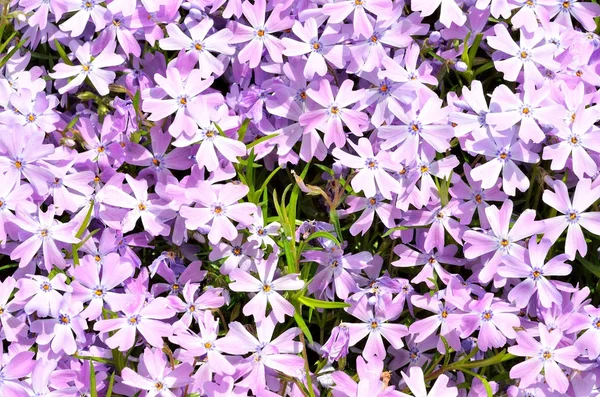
372,169
85,9
334,111
416,383
376,325
574,216
45,232
535,270
544,354
260,35
217,205
200,45
336,346
139,316
90,67
266,289
500,240
495,320
59,330
526,55
158,377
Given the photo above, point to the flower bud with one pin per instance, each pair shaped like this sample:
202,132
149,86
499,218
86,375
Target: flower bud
336,346
461,66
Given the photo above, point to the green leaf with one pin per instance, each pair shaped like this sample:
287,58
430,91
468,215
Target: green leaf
486,384
111,384
12,52
465,54
93,387
7,42
62,53
80,231
260,140
394,229
302,325
322,234
318,304
589,266
474,48
243,129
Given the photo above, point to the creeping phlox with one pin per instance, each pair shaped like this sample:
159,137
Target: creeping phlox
348,198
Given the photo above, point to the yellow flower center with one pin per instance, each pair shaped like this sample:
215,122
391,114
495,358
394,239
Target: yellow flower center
504,242
142,207
18,164
266,288
478,198
260,33
198,46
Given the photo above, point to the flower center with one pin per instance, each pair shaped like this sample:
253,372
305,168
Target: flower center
536,274
183,101
478,198
18,164
46,287
487,315
374,324
218,210
547,355
100,149
334,110
198,46
142,207
156,162
316,46
444,314
99,292
526,110
158,385
572,215
574,140
237,251
424,169
133,320
260,33
266,288
208,345
64,319
192,308
372,201
504,242
210,134
566,4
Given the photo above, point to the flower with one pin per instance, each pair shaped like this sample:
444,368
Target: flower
334,111
535,270
266,289
90,67
544,354
372,169
44,232
500,240
59,330
139,316
336,346
157,378
574,216
416,383
218,204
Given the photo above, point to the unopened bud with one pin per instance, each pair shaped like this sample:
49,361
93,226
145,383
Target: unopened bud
461,66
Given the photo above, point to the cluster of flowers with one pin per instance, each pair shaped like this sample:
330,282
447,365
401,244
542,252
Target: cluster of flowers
155,241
